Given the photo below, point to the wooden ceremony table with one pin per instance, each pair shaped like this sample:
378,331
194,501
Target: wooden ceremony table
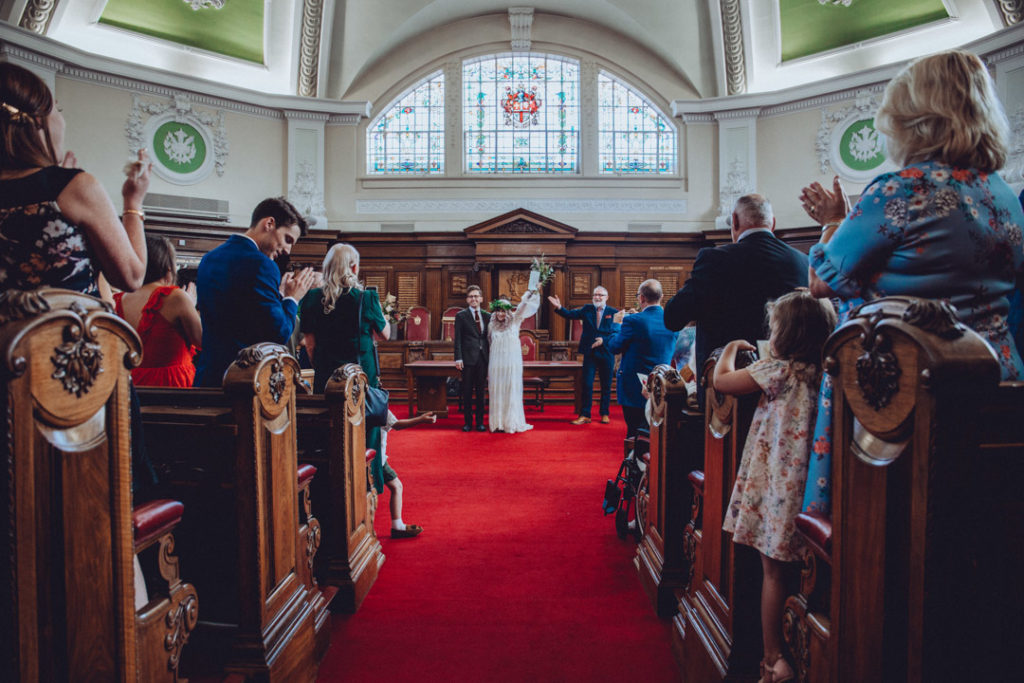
428,377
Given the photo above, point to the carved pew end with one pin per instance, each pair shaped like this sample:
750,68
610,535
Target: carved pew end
309,539
165,622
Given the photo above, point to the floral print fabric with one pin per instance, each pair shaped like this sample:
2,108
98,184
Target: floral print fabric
937,232
770,482
38,246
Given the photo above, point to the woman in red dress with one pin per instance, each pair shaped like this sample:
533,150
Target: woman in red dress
165,318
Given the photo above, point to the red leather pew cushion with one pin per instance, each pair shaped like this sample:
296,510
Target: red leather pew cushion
155,518
306,472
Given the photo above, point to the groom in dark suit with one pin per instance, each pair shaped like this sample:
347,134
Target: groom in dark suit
242,298
472,353
730,284
599,325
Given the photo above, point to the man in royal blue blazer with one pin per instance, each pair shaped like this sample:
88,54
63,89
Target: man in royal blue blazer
599,325
644,342
730,285
242,298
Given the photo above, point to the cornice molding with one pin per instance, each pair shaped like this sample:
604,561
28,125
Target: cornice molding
732,35
692,118
345,119
751,113
1012,11
299,115
309,47
497,206
37,15
79,65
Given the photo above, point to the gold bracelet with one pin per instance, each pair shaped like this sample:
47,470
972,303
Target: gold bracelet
135,212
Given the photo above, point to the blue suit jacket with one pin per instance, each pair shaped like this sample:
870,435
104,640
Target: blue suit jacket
240,305
644,342
588,314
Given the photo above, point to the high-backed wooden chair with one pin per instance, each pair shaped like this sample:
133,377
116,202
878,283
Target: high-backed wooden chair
576,330
417,324
448,323
67,593
531,351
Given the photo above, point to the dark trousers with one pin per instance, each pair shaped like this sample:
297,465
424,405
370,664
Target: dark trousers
600,364
635,420
474,378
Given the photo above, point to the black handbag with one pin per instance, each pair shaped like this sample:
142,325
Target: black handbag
376,398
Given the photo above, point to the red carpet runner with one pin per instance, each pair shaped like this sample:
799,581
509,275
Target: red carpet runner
517,576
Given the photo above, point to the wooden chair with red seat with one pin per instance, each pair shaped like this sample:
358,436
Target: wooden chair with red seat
417,324
448,323
164,623
531,351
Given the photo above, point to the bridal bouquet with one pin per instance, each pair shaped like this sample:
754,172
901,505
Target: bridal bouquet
390,307
540,273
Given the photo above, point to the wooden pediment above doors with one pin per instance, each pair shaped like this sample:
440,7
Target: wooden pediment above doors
519,236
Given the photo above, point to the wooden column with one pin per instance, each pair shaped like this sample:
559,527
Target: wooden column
559,287
435,298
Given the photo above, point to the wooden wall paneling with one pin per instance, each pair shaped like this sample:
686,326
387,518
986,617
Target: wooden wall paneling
582,283
669,279
379,279
559,287
458,281
433,295
609,279
629,282
409,289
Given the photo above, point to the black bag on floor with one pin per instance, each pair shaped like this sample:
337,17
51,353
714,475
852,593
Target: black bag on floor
611,497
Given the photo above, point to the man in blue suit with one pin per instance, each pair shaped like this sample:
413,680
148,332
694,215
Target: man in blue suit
599,324
644,342
242,298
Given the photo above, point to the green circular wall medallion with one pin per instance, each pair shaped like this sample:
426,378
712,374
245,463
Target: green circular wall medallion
179,147
861,147
858,149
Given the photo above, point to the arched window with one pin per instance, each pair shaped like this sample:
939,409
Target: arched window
408,137
633,135
521,114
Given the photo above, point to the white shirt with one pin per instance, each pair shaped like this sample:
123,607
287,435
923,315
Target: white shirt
751,231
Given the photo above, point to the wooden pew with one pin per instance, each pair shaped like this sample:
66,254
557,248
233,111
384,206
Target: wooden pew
332,437
676,447
716,632
68,605
927,508
230,455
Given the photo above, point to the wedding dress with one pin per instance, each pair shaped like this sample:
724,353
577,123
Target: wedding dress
505,369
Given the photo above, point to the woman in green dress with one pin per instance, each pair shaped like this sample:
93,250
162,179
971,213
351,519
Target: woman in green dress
337,333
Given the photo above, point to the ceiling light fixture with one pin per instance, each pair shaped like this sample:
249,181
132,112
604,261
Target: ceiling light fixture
197,5
844,3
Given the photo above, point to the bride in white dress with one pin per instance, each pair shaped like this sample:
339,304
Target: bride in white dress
505,370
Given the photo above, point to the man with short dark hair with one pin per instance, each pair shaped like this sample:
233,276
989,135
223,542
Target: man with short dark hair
598,325
472,353
242,298
644,342
729,285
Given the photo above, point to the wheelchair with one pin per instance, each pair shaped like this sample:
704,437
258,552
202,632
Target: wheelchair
626,496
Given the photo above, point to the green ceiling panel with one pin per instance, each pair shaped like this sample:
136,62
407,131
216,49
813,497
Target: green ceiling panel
236,30
808,27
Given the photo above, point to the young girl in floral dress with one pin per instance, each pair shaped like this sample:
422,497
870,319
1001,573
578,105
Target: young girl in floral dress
770,482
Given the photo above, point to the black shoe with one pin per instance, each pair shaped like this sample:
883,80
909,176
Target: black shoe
467,428
481,428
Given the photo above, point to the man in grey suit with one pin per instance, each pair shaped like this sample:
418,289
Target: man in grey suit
472,353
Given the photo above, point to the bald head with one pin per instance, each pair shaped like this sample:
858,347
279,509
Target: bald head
752,211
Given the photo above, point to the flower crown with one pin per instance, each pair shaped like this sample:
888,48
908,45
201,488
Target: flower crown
500,305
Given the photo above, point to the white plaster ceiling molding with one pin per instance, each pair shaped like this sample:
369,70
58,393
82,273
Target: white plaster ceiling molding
309,47
197,5
36,15
521,20
967,21
546,206
185,144
848,142
1012,11
735,60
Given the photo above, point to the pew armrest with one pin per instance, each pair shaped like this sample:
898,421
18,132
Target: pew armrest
152,520
817,531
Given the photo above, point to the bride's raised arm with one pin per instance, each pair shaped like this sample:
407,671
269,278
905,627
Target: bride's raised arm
528,305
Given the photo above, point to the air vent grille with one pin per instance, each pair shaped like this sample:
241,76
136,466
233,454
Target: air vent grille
175,206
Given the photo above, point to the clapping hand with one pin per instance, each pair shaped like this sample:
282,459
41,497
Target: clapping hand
136,182
295,285
555,301
429,416
69,160
824,206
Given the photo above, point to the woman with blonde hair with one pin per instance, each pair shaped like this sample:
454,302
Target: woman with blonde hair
945,226
339,321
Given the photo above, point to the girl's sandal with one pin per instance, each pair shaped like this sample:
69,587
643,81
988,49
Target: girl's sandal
779,672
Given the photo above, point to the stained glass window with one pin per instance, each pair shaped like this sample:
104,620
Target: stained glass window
521,114
633,136
408,137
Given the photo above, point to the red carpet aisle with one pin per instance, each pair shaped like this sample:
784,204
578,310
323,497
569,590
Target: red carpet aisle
517,575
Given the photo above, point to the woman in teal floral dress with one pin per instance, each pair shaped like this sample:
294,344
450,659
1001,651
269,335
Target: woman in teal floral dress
945,226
